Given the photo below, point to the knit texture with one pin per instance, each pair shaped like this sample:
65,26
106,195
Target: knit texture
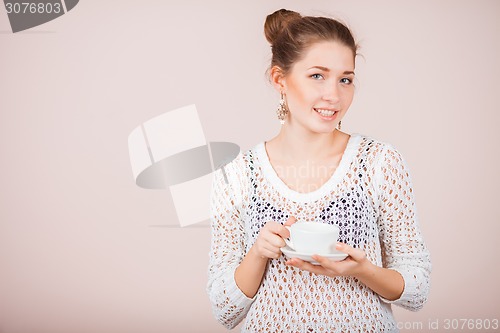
369,197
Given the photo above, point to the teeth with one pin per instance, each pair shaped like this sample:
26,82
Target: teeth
326,113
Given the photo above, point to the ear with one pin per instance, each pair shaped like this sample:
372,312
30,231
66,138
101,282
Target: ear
278,79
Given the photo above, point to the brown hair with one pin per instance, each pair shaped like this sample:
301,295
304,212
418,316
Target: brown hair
290,34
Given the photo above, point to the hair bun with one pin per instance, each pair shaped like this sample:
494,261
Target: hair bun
277,22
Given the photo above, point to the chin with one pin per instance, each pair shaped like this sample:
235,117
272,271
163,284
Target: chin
323,129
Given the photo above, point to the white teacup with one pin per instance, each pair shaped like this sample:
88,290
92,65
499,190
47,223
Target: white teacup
312,237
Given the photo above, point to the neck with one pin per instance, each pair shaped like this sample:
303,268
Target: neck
298,144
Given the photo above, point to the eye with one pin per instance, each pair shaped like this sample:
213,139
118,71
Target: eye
317,76
346,80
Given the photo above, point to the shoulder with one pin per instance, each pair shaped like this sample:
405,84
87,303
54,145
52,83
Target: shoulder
381,157
238,169
374,149
245,159
387,161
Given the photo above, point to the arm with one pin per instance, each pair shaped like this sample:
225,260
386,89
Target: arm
402,243
388,283
404,277
235,277
229,304
250,272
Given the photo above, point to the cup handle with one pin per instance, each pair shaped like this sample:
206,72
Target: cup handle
288,240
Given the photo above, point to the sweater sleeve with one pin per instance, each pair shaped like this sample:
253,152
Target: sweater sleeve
229,304
403,247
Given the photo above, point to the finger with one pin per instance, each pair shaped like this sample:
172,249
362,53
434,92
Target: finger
336,268
272,254
279,242
323,261
291,220
284,232
355,254
304,265
274,240
271,231
273,249
277,229
295,262
273,226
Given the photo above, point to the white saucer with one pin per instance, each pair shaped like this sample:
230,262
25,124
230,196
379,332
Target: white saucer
335,256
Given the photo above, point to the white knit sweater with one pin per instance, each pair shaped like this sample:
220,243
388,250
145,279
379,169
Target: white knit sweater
369,197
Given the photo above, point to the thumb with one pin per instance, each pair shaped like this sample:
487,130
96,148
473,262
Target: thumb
291,220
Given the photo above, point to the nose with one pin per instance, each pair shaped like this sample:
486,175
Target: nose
331,93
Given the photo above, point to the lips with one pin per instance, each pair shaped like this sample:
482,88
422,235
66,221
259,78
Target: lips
326,112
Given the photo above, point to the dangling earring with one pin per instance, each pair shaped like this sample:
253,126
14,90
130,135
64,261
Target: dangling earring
339,126
282,109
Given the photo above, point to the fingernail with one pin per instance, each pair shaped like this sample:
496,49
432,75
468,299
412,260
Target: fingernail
338,246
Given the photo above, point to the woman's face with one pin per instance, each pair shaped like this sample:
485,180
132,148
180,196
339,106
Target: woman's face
319,88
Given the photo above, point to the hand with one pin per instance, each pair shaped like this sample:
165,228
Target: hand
270,239
356,264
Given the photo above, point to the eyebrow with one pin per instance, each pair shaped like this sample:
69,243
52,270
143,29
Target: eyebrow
325,69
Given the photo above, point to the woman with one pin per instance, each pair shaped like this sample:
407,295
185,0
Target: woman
312,171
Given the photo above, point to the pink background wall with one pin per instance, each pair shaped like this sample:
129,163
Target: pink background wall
83,249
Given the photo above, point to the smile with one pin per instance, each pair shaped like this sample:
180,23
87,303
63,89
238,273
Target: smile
325,112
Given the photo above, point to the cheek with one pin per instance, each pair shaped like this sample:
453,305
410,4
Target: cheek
294,89
348,96
303,94
296,94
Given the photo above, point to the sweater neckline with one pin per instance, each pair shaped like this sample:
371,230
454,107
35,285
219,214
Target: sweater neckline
269,172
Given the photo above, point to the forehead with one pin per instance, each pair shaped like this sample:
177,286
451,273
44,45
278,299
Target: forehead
332,55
